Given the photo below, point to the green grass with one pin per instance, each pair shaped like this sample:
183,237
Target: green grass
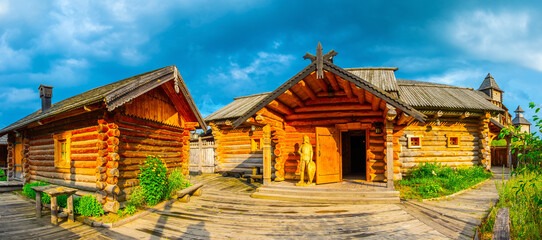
523,195
430,180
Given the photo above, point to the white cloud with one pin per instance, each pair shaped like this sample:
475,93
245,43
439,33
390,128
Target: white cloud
18,98
4,7
11,59
457,77
503,36
236,77
66,72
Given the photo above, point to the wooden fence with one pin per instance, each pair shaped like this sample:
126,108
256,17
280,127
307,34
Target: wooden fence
202,155
499,157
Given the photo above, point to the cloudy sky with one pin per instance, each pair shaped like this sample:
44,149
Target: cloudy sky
225,49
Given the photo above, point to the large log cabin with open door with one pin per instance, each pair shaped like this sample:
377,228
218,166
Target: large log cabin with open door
95,141
358,120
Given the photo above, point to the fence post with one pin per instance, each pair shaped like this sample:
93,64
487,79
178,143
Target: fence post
200,151
501,229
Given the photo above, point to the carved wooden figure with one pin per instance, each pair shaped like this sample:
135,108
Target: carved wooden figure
306,162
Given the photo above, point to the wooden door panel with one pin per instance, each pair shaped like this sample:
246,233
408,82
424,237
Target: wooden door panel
18,157
328,160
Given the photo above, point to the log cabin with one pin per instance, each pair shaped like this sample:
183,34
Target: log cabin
95,141
362,122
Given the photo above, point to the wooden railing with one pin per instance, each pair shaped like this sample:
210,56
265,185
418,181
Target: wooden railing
202,155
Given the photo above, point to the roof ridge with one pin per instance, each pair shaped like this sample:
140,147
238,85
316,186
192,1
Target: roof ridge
253,95
372,68
429,84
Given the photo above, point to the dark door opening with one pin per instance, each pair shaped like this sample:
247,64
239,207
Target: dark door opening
354,154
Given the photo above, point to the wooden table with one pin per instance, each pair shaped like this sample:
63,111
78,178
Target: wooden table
54,191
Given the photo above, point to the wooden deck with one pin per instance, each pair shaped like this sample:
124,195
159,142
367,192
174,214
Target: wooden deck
8,186
226,211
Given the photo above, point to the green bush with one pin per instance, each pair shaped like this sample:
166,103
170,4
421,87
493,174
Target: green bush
153,180
137,197
176,181
3,176
425,170
88,206
129,210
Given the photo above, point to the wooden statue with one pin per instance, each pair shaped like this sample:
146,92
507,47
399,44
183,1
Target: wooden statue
306,153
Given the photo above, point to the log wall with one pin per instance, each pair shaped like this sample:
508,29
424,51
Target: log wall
234,149
140,138
434,143
84,135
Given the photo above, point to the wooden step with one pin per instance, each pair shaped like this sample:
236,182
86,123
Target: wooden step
317,192
330,199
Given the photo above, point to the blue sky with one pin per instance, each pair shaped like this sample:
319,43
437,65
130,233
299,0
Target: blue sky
225,49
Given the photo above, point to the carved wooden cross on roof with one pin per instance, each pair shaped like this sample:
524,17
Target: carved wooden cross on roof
320,58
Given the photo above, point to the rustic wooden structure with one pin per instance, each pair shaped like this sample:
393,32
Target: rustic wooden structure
202,155
54,191
3,152
520,122
362,121
95,141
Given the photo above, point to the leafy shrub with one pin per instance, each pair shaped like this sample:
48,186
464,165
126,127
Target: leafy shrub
153,180
88,206
176,181
425,170
137,198
3,176
129,210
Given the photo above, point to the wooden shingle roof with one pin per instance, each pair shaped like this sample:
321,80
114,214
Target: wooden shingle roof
489,83
382,77
424,95
239,107
114,95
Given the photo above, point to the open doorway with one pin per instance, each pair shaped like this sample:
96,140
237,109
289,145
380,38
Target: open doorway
354,150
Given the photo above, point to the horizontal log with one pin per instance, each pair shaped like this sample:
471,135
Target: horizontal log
145,147
84,144
41,162
101,185
333,108
85,137
439,159
84,130
65,176
139,122
136,154
86,186
42,147
82,171
129,132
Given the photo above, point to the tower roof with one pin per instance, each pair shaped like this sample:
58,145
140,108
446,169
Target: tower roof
489,83
519,110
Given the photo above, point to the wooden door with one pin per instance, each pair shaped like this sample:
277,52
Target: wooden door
18,157
328,156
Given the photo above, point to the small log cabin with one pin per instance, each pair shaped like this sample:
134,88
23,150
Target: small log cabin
358,121
95,141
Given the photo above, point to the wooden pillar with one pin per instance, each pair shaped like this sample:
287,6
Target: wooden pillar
508,152
484,144
200,152
71,216
390,116
38,204
54,210
266,154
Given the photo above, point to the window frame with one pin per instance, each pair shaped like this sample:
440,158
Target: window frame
59,139
449,141
409,141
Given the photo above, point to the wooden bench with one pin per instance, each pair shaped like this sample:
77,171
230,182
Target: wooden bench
54,191
254,176
194,190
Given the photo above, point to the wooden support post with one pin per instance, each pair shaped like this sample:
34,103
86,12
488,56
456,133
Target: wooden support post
390,116
71,214
200,152
38,205
509,153
54,210
266,154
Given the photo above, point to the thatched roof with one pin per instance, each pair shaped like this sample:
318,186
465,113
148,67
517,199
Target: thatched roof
114,95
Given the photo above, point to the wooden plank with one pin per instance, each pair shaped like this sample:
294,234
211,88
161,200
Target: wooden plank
307,89
328,160
501,228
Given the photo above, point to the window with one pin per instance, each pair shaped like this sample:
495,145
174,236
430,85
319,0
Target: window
62,150
414,141
255,145
453,141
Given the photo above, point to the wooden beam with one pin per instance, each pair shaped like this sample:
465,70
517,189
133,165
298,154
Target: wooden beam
358,92
326,100
324,122
331,94
346,86
296,98
320,115
369,96
438,114
403,118
332,108
376,103
331,79
307,89
464,115
320,82
280,107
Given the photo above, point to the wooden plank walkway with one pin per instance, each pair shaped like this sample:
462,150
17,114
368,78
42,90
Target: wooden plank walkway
226,211
458,217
